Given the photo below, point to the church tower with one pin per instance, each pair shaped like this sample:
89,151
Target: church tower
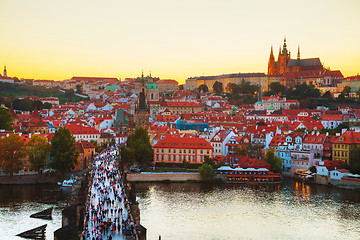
142,111
271,63
5,72
284,59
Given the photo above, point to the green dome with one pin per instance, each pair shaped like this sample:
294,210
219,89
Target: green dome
151,86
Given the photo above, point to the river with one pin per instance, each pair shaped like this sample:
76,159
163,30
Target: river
18,202
292,210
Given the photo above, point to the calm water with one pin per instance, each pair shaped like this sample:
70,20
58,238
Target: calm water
291,210
17,203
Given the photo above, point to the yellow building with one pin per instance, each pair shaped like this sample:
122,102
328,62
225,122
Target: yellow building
342,146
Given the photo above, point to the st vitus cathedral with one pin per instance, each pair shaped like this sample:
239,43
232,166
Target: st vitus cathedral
285,64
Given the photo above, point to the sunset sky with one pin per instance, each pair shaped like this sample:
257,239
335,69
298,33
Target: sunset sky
44,39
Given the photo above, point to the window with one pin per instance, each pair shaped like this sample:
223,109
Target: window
201,151
162,150
180,151
157,150
174,150
207,151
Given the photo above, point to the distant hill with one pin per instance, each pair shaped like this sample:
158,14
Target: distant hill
13,90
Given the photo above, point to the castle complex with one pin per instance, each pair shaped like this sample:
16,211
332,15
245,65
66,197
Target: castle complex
286,71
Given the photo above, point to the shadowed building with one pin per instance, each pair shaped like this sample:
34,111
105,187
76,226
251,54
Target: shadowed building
142,111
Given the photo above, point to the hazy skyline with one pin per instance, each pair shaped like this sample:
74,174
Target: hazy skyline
174,39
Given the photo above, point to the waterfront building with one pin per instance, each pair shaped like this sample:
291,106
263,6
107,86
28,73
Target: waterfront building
301,160
86,153
315,142
342,145
219,141
337,174
173,149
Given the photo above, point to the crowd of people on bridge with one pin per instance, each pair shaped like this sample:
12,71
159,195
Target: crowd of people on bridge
107,216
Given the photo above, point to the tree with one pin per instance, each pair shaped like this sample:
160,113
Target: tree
69,92
206,172
218,87
139,144
208,160
63,151
346,91
126,155
78,88
354,161
327,96
276,87
274,161
6,120
38,105
47,105
38,150
12,150
203,87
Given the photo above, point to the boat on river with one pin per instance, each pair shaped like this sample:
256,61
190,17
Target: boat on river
249,175
67,183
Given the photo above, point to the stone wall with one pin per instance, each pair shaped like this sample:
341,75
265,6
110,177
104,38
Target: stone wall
28,179
154,177
323,180
346,183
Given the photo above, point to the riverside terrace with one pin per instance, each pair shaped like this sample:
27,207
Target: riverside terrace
107,210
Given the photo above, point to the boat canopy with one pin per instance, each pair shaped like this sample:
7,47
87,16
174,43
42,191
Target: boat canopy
225,168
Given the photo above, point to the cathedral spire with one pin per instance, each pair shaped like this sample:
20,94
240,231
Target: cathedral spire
284,51
279,52
271,63
142,73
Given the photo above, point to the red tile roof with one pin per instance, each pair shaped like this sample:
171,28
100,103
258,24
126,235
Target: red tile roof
183,143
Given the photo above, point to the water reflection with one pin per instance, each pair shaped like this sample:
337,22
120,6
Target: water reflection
18,202
292,210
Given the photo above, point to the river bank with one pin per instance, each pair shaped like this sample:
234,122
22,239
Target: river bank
43,178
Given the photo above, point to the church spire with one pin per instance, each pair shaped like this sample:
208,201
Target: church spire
142,73
5,72
298,54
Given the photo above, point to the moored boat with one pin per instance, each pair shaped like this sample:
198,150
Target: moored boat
249,175
67,183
